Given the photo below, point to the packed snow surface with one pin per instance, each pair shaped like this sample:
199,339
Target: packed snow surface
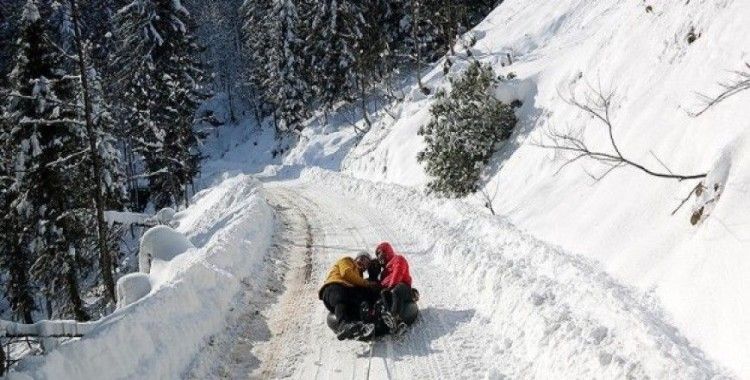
496,303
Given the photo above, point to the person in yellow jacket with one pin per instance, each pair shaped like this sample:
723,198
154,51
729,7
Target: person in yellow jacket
343,292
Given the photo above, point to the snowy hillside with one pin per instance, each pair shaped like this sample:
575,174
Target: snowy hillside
640,52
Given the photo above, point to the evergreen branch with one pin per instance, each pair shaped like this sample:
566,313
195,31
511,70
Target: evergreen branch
27,121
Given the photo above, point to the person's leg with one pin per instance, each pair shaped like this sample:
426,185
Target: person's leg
394,300
371,296
354,324
338,299
334,296
386,300
401,294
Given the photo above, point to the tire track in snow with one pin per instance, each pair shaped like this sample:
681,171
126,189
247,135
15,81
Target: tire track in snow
285,324
526,315
441,365
424,351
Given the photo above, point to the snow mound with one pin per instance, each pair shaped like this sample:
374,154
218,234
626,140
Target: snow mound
132,287
161,243
126,218
158,336
165,215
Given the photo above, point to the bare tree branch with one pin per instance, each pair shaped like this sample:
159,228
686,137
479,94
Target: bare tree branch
739,84
696,189
599,105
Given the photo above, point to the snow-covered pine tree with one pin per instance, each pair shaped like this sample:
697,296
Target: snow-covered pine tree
256,43
157,58
466,126
219,27
14,257
9,18
129,76
105,181
48,159
334,47
286,82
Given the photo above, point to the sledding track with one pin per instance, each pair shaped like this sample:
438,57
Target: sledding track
494,305
310,351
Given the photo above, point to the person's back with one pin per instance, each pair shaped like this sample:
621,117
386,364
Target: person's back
342,293
396,269
344,272
397,284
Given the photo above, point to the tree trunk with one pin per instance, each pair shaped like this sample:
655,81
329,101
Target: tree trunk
105,257
415,37
73,293
230,99
2,360
363,96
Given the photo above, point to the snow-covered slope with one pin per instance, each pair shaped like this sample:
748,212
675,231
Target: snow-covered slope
159,335
639,51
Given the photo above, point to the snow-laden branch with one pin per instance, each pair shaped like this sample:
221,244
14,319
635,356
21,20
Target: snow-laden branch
28,121
46,329
130,218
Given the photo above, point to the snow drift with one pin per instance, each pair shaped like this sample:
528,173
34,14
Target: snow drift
157,336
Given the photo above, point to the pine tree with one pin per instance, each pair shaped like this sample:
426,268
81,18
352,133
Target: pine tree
14,257
219,27
157,56
104,162
48,164
256,44
462,135
333,48
288,89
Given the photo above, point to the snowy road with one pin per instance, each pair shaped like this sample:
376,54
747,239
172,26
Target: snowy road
341,227
519,313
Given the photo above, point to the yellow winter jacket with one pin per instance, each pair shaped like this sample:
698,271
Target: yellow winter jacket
345,272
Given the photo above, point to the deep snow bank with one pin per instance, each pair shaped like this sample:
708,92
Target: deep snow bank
640,51
158,336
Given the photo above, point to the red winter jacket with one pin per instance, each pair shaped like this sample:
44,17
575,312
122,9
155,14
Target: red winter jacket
396,267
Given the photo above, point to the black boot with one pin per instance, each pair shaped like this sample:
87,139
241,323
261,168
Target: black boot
347,330
364,332
395,325
365,313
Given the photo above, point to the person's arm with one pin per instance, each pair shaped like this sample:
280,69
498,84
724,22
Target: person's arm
397,273
373,271
351,275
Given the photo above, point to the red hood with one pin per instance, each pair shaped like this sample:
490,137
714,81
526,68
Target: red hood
386,248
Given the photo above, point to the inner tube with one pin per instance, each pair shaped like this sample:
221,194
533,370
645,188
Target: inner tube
410,315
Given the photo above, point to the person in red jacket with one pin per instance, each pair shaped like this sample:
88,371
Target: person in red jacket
396,282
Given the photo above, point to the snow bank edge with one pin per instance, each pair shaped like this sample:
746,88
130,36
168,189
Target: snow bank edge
158,336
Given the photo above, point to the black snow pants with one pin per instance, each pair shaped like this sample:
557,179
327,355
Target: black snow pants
344,301
396,299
